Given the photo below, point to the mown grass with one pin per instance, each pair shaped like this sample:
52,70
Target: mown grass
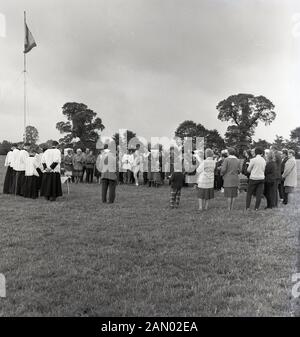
79,257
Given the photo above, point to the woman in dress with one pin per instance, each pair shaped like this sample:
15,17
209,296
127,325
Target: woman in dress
206,172
230,173
78,161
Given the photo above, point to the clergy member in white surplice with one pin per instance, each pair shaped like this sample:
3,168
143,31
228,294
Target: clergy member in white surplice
14,159
20,169
31,189
51,183
7,186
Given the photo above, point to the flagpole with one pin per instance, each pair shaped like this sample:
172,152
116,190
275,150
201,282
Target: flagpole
25,84
25,88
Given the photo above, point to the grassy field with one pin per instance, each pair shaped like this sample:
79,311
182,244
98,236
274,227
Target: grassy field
79,257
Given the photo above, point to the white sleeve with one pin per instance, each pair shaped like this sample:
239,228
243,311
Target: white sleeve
200,168
43,159
8,159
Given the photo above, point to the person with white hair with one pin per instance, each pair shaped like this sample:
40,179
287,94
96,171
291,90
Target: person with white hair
206,176
290,176
230,172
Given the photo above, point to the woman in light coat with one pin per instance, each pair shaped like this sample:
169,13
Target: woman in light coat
290,176
206,171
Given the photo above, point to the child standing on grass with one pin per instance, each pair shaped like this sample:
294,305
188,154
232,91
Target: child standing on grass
177,182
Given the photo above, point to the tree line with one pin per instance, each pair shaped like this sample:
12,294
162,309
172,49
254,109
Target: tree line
243,112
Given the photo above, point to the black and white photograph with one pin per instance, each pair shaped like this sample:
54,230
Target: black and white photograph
149,160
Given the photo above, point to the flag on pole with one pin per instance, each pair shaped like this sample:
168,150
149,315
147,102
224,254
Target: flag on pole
29,40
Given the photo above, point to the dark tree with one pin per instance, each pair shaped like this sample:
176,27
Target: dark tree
81,123
280,142
47,144
294,142
261,143
5,147
212,138
31,134
295,135
245,111
190,129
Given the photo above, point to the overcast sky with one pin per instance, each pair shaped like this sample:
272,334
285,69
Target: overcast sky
148,65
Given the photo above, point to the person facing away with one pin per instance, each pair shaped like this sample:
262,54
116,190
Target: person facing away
290,176
256,183
51,183
107,167
278,162
284,159
270,180
230,170
177,180
13,164
206,175
9,172
31,184
20,168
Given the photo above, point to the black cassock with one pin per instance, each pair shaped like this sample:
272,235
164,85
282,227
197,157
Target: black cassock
51,183
8,181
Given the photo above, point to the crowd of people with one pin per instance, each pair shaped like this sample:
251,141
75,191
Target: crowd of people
33,172
269,173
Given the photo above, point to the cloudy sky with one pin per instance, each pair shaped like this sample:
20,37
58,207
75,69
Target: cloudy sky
148,65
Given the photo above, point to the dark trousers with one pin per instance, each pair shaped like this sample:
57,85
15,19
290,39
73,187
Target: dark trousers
255,187
145,177
175,197
82,174
110,187
89,175
270,193
218,182
281,189
127,177
285,197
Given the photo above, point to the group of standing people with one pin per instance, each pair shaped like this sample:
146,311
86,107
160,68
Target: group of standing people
75,165
271,173
33,172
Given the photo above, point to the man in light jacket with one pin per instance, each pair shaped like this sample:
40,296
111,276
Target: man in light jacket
107,167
